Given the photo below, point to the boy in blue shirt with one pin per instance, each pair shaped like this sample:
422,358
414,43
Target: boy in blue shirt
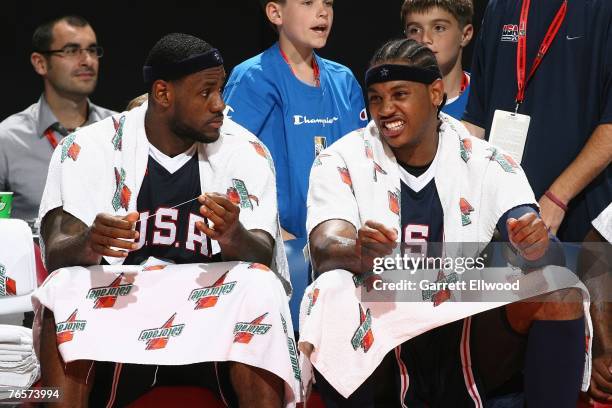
296,102
445,27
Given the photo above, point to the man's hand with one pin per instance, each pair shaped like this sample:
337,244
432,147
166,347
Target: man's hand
529,236
374,240
601,379
223,214
551,214
112,231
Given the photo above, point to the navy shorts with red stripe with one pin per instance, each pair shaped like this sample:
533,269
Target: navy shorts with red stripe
118,385
466,363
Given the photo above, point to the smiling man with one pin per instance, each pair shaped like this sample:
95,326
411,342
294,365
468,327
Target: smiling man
66,55
170,180
414,176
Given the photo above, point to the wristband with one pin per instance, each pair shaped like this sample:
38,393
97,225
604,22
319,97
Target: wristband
556,200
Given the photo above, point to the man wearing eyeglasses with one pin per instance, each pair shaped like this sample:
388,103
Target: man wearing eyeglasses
66,55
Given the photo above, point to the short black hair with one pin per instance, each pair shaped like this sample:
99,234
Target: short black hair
176,47
43,35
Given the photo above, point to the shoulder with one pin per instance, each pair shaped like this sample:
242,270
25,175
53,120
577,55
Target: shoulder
337,71
236,140
21,122
478,152
352,141
249,70
91,133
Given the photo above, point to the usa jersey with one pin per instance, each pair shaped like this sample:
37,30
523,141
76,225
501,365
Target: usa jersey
294,120
422,216
170,233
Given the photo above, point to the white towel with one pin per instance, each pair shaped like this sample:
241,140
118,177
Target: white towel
357,179
175,315
100,168
19,367
603,223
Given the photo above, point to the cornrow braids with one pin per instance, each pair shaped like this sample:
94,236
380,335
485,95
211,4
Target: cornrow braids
407,52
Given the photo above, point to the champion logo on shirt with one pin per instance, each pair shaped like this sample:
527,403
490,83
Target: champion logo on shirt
510,33
299,120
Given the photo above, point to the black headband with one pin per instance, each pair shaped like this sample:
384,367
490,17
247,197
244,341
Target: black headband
209,59
399,72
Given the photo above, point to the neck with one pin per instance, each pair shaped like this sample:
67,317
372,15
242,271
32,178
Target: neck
453,79
300,60
161,136
296,55
71,111
422,152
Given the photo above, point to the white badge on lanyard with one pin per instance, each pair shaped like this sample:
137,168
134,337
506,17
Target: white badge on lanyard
509,132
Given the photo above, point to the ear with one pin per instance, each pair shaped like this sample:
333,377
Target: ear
162,92
274,13
436,92
466,35
39,63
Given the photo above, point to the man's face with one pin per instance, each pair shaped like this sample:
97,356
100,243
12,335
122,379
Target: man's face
404,111
77,74
307,22
198,105
439,30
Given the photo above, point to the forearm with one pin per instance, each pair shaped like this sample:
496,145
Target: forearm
248,246
70,251
592,160
66,241
333,245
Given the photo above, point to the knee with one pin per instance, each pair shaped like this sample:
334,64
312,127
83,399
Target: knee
256,387
564,304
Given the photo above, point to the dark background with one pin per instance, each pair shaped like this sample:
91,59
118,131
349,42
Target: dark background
128,29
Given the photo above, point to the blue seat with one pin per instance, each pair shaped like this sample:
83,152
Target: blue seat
299,270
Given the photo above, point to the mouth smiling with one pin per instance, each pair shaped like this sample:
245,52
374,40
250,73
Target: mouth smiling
392,128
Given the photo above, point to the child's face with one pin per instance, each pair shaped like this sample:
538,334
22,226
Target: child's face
306,23
439,30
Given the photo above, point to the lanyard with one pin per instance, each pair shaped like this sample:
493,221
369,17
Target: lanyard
51,138
521,50
315,67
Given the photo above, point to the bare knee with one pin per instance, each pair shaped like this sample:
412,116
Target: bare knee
256,387
564,304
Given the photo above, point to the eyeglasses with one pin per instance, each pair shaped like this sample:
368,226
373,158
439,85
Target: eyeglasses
73,51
